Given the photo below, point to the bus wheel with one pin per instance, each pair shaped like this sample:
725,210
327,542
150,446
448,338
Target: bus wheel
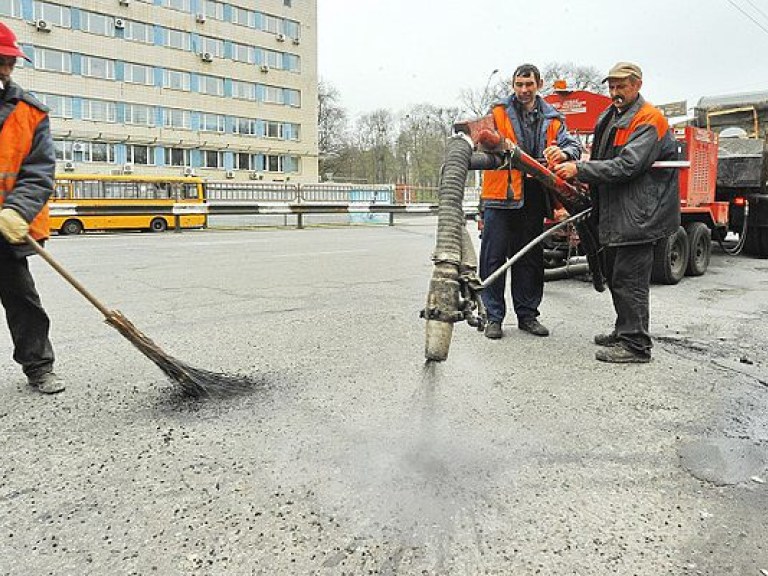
71,228
670,258
158,225
700,242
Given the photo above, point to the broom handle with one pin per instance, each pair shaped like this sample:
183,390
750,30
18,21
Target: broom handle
45,255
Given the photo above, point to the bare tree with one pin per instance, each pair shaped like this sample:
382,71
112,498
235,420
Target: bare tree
576,77
331,127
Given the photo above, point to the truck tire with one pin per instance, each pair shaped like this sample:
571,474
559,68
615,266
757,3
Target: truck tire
670,258
700,246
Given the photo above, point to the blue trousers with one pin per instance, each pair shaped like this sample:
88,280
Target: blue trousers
505,231
27,320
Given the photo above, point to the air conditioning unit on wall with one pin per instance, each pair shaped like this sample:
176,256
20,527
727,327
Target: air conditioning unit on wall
69,166
280,37
265,67
42,25
127,168
200,18
206,56
229,174
78,146
188,171
119,23
256,176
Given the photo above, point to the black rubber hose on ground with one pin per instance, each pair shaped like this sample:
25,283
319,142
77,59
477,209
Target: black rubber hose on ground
442,308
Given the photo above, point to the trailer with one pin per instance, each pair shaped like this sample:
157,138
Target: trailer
722,188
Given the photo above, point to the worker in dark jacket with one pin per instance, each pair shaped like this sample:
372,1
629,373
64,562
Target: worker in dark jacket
27,167
637,205
514,206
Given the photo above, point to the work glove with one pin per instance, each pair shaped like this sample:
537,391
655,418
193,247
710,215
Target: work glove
13,226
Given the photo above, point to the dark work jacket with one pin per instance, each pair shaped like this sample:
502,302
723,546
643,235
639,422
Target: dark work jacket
35,180
636,204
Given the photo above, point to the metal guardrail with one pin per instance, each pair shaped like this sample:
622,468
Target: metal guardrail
225,198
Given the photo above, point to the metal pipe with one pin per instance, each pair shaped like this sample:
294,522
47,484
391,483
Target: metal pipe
519,254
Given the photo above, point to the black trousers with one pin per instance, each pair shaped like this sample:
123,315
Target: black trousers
27,320
628,269
505,231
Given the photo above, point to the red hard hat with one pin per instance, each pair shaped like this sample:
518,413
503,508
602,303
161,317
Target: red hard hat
8,45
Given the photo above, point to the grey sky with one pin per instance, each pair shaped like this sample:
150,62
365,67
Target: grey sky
394,53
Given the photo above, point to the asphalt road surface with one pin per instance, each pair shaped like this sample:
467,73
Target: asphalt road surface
350,456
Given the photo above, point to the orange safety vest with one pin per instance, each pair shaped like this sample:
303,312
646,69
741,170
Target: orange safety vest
647,114
508,184
15,143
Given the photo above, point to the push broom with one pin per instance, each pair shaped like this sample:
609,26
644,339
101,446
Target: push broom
193,381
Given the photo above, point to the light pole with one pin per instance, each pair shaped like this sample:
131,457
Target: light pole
484,98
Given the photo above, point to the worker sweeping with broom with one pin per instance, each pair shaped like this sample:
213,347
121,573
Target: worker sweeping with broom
27,168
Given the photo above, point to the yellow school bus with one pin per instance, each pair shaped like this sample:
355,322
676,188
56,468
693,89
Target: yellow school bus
126,202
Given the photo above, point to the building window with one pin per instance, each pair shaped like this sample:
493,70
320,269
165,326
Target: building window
176,80
10,8
292,29
97,23
98,152
182,5
274,130
273,59
243,17
274,163
273,95
213,159
177,157
212,123
175,118
63,149
242,53
290,164
272,24
245,126
139,32
60,106
138,74
243,90
214,9
213,45
178,39
53,60
98,67
99,110
291,62
53,14
139,115
212,85
140,155
292,98
245,161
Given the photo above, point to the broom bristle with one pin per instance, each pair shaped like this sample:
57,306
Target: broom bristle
193,381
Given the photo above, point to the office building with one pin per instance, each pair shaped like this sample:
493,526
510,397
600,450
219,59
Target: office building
223,89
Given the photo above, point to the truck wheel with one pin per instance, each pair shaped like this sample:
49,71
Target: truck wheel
670,258
700,243
71,227
158,225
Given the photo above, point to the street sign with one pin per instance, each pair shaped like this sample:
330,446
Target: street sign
674,108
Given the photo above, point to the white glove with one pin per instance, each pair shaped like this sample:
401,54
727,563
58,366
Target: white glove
13,226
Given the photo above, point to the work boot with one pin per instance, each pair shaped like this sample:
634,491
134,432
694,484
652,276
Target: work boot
47,383
619,355
532,326
607,340
493,330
